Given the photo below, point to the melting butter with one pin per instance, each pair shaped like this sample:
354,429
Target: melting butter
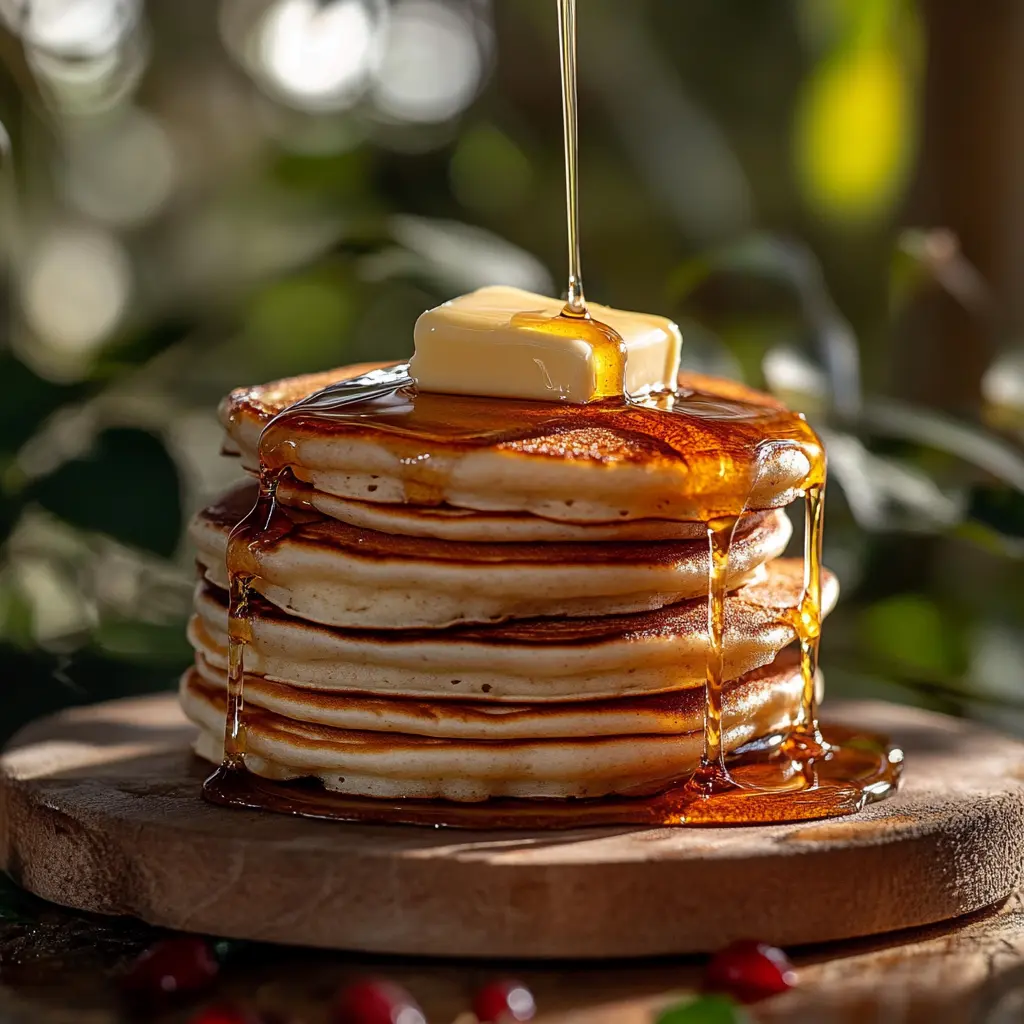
507,343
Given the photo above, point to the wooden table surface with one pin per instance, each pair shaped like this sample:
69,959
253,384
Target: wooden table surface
59,966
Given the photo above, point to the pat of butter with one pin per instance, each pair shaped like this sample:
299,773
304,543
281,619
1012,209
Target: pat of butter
472,345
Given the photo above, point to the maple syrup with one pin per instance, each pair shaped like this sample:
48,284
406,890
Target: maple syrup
813,771
575,303
574,320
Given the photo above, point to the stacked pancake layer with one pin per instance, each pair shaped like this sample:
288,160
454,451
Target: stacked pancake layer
531,628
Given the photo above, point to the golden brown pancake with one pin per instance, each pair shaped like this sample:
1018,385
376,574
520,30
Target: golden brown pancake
527,661
389,764
671,713
578,464
329,572
445,522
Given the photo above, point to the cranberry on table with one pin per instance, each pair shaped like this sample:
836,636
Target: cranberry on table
504,1002
176,966
750,970
376,1001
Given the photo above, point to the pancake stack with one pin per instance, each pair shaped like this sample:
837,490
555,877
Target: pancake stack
527,619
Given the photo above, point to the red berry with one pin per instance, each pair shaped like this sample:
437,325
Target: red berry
750,971
502,1002
376,1001
225,1015
180,965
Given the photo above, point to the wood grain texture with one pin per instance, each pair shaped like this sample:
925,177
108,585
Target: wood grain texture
99,810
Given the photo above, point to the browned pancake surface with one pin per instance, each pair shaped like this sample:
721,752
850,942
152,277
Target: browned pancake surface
314,530
759,605
596,433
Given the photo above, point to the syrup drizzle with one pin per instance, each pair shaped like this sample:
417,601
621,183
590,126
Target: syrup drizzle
809,773
574,322
576,304
712,770
808,619
239,636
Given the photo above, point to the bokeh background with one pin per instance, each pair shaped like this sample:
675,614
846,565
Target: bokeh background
828,195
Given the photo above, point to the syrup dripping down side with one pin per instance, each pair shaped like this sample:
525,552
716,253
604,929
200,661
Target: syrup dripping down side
812,774
712,774
807,622
720,534
253,529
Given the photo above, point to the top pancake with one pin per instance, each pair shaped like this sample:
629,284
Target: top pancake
380,442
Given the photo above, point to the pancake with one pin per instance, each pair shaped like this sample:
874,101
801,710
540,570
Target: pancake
392,764
535,660
331,573
670,713
576,464
445,522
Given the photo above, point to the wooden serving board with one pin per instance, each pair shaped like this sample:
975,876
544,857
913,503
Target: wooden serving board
100,810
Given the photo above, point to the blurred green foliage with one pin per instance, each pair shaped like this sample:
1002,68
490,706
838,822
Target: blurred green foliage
208,194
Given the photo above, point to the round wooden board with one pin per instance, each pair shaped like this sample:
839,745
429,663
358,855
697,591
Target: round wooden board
100,810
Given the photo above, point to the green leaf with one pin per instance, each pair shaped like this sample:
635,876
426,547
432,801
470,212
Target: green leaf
127,487
16,613
756,255
984,537
455,257
301,321
10,513
885,417
143,344
143,642
911,630
886,493
28,401
933,257
999,508
489,171
769,258
704,1010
